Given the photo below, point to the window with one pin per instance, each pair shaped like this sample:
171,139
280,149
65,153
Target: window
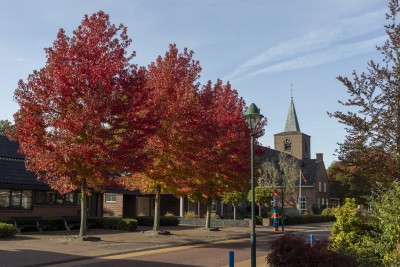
50,197
302,203
40,197
111,198
324,187
4,198
319,187
288,145
214,205
69,198
54,198
15,199
26,199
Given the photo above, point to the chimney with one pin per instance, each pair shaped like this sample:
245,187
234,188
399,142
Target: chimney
319,156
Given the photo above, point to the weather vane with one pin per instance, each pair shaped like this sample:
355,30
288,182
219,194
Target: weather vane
291,90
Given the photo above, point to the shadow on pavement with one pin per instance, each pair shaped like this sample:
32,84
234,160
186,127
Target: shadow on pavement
36,258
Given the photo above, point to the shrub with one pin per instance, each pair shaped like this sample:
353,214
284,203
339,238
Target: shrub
352,234
328,212
164,221
55,223
214,215
122,224
169,214
6,220
302,219
259,220
7,230
190,215
292,250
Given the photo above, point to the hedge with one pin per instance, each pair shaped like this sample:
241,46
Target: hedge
302,219
7,230
164,220
122,224
57,223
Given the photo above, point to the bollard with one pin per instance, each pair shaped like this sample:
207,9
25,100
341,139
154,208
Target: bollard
231,258
312,239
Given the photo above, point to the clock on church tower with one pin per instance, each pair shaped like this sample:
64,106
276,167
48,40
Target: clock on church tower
292,140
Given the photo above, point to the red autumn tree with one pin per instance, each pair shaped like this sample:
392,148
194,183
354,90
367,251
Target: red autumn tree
222,162
173,103
72,118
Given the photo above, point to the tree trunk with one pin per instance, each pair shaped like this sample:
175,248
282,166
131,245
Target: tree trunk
234,211
259,209
208,215
156,225
82,231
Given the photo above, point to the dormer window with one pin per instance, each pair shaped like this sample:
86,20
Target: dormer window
288,145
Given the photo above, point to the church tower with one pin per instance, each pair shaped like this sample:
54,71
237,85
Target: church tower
292,141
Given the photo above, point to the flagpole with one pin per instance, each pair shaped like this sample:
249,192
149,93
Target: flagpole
298,201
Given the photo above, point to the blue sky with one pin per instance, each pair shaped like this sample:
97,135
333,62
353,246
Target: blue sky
260,46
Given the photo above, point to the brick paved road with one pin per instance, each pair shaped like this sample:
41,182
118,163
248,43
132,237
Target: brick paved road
215,254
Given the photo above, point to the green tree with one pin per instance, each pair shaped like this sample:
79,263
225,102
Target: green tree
5,125
234,197
349,182
372,143
262,195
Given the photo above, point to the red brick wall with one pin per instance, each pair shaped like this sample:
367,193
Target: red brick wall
113,209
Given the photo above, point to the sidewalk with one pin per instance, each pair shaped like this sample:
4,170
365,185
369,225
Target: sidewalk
41,249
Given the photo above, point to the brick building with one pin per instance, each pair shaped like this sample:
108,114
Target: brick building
315,190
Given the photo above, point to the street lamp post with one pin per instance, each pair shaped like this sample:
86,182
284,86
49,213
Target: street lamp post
253,117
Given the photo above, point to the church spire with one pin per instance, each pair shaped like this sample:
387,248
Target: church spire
292,124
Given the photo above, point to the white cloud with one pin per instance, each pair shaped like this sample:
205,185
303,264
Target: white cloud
323,38
324,56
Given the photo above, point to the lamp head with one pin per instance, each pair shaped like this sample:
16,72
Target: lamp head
253,117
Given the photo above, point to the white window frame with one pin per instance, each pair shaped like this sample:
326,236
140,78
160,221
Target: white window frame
302,202
110,198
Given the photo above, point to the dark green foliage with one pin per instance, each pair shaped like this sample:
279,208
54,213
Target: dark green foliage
164,221
291,250
259,220
55,223
302,219
7,230
122,224
6,220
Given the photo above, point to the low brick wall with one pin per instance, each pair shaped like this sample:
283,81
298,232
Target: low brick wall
215,222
